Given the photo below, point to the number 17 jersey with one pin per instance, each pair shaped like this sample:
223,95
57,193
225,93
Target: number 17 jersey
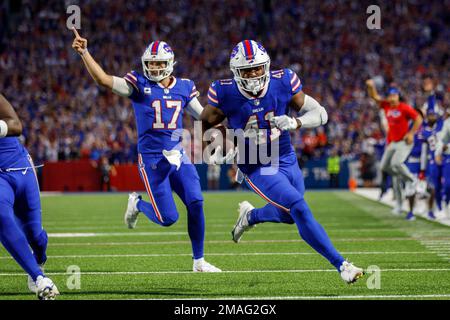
159,111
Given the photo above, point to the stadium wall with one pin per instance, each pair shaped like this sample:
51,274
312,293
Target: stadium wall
85,176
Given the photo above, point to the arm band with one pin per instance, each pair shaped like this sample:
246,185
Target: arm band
195,108
3,128
121,87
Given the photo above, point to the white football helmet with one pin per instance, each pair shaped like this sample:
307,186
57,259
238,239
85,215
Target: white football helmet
158,51
250,54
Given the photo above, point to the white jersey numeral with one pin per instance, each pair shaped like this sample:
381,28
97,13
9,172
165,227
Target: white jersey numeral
157,124
170,104
177,105
253,131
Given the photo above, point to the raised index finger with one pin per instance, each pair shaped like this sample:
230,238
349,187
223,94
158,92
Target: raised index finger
77,35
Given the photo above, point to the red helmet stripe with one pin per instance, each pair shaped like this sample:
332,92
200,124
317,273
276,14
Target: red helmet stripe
248,50
155,47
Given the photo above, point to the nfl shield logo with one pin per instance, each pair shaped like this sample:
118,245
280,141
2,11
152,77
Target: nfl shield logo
256,102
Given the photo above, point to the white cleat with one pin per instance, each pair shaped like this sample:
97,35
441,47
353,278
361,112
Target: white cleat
350,273
46,289
242,224
31,284
200,265
132,212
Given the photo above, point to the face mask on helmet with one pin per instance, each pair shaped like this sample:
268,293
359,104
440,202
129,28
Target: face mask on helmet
253,79
157,70
158,61
250,65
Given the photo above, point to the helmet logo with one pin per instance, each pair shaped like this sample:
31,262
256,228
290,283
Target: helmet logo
234,52
167,48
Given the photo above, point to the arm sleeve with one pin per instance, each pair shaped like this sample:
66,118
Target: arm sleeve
312,114
121,87
194,108
213,97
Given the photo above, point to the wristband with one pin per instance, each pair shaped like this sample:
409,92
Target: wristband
3,129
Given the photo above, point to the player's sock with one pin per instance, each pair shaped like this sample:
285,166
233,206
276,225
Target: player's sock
14,241
269,213
314,234
39,246
196,227
38,240
168,218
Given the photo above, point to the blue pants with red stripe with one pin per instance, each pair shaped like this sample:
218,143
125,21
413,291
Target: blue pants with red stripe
160,179
284,190
446,177
20,218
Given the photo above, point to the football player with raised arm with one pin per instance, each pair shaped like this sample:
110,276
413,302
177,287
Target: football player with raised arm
159,101
257,101
21,231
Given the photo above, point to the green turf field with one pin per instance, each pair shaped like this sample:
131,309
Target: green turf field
272,261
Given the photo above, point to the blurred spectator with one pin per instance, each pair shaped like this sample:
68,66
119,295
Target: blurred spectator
333,168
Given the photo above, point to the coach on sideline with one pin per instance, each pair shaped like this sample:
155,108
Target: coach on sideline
399,139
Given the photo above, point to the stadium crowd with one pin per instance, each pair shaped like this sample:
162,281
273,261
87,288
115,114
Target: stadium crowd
327,43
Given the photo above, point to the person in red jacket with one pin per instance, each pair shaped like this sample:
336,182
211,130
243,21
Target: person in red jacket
400,138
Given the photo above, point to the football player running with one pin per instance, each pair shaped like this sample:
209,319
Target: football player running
159,100
21,231
257,100
428,166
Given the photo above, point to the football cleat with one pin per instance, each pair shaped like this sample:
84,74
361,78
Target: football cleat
31,283
200,265
410,216
350,273
46,289
242,224
132,212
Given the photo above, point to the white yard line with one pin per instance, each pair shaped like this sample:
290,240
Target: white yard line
88,256
179,233
246,242
115,273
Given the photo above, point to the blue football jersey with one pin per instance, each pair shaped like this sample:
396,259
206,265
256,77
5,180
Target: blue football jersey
246,112
429,135
12,153
417,144
159,111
